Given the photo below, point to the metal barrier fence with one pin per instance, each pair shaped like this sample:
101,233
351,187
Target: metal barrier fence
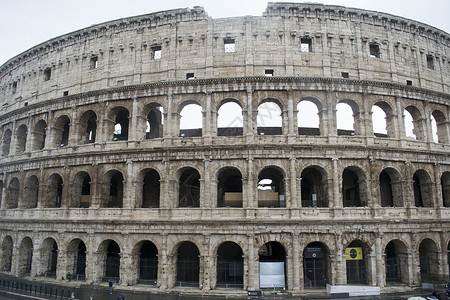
35,288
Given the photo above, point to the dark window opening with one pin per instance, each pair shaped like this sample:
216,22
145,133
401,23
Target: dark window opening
268,73
430,62
151,190
190,76
345,75
305,45
94,62
188,265
66,93
230,45
409,82
112,262
189,189
14,87
229,188
374,50
148,264
47,74
271,188
350,189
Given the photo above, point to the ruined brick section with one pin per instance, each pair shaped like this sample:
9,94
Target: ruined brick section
99,178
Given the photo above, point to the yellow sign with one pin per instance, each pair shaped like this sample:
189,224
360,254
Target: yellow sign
354,253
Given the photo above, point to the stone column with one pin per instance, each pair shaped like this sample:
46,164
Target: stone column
127,269
62,268
206,128
249,129
134,130
379,255
337,203
401,119
443,272
296,272
74,135
163,266
129,192
168,124
341,266
252,262
290,114
294,201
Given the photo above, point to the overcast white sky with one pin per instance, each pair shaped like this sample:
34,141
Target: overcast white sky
27,23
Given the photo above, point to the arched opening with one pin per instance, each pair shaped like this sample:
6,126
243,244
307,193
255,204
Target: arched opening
25,257
188,265
21,139
155,121
315,266
271,188
308,121
81,191
12,194
229,188
148,264
189,188
353,187
110,251
230,266
6,143
39,135
61,131
115,193
314,187
76,259
445,186
6,254
422,187
31,192
229,119
54,191
434,133
413,123
151,189
379,121
356,263
396,260
49,257
345,119
439,128
272,266
269,120
88,127
390,188
120,116
429,261
191,121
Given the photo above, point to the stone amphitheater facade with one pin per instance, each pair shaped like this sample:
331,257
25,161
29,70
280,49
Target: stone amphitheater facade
99,178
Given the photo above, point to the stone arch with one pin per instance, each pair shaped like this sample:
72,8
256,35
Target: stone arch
429,260
117,126
188,187
25,257
269,118
390,184
187,264
109,260
6,142
112,193
49,257
423,189
6,254
445,187
88,127
149,192
354,187
357,262
271,187
191,119
314,187
53,195
383,120
230,266
30,192
440,126
39,135
316,265
272,265
396,263
229,187
81,190
309,116
12,194
21,139
61,131
418,131
348,120
76,259
229,118
146,253
154,115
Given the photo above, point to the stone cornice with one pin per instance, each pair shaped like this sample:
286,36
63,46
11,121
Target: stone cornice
289,81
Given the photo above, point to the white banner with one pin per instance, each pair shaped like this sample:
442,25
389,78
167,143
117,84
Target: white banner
271,274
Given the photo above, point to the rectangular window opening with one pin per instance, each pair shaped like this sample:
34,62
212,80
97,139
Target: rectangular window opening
157,52
66,93
190,76
47,74
120,82
430,62
374,50
345,74
268,73
408,82
94,62
230,45
305,45
14,87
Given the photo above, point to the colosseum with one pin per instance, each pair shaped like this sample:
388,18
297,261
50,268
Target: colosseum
300,150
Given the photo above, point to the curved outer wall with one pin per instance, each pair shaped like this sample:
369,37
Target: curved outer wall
68,179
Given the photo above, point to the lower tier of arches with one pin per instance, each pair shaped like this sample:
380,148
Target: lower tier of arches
267,255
